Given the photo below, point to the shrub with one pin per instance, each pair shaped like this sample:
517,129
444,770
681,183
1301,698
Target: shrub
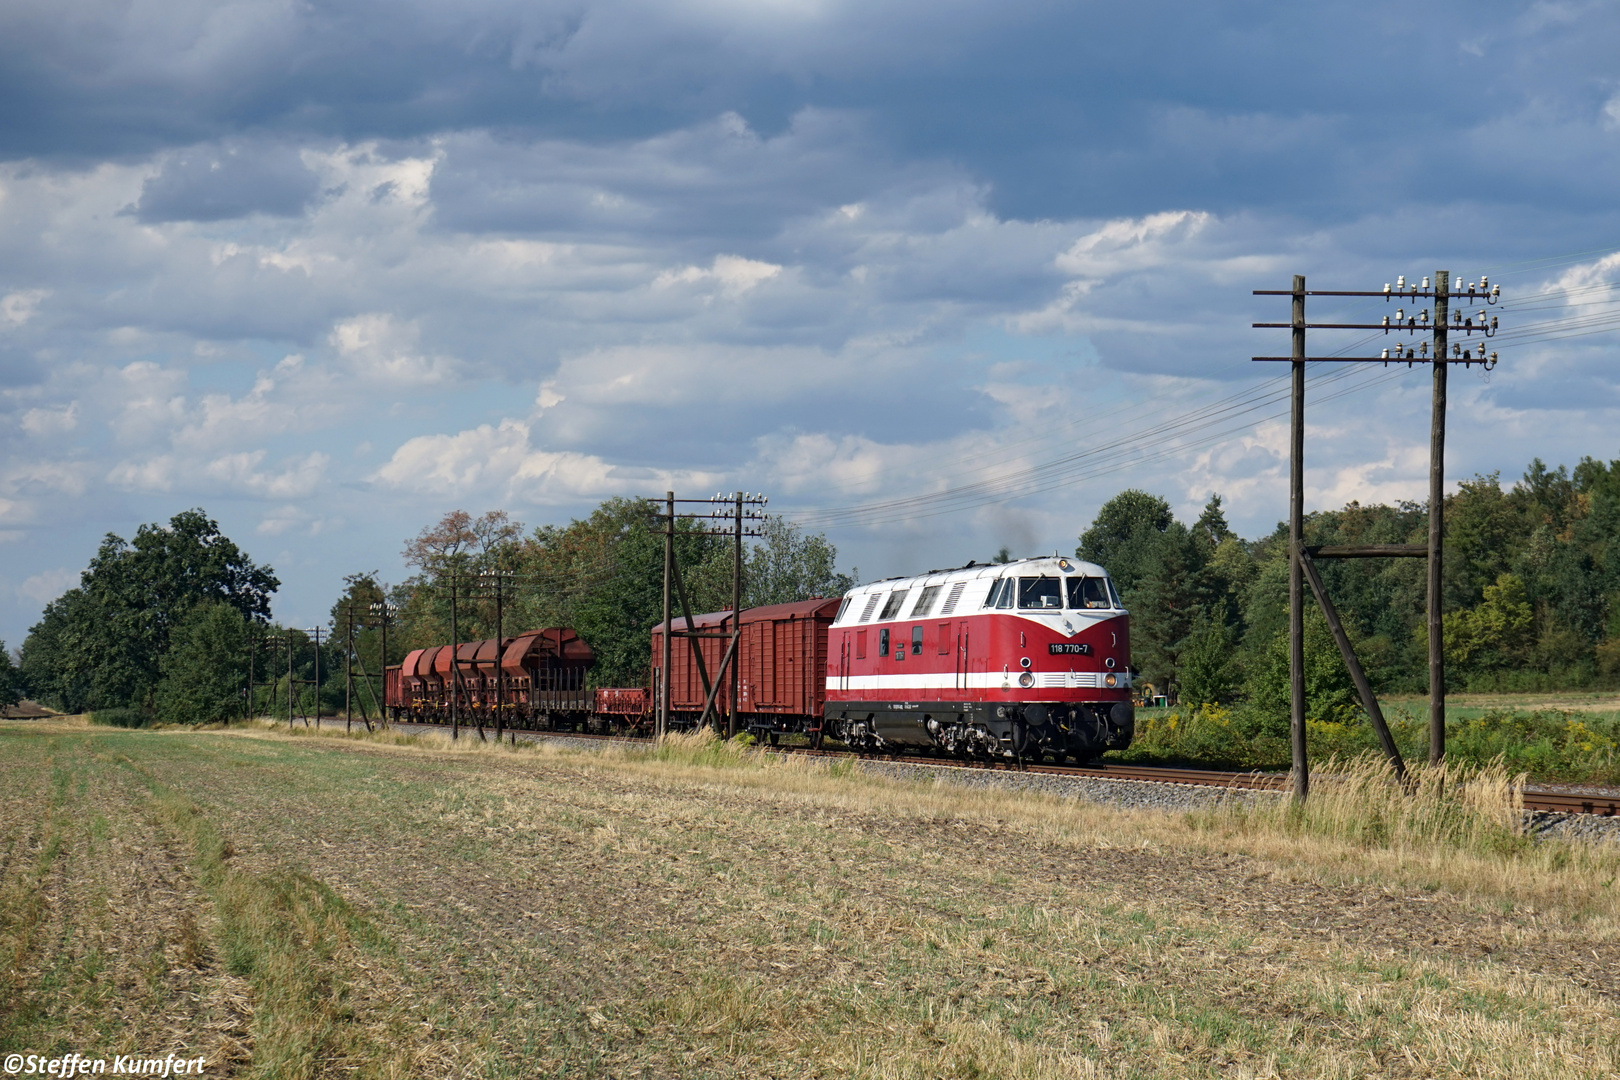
1205,735
1546,743
1330,696
1209,670
124,718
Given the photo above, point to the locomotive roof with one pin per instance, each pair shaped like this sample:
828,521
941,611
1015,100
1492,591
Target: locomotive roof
1045,564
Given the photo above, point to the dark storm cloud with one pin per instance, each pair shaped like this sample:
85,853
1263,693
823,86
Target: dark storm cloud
375,256
210,183
1082,108
718,179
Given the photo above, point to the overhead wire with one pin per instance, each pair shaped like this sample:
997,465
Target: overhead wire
1191,430
1187,432
1009,450
1103,459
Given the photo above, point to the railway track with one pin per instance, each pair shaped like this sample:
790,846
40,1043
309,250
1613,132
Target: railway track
1602,804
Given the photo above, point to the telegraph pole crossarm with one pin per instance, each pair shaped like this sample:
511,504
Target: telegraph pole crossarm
1367,551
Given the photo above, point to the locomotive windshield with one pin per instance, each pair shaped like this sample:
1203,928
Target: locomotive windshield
1089,592
1040,592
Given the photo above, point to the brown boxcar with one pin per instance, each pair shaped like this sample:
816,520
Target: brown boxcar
781,666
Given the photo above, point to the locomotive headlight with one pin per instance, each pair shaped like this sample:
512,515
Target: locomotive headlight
1026,680
1110,679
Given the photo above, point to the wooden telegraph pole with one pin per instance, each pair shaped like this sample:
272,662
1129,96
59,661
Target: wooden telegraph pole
736,617
316,632
383,609
348,667
455,664
1296,540
662,689
1437,505
1301,559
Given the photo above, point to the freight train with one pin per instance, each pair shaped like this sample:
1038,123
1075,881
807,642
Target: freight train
1022,660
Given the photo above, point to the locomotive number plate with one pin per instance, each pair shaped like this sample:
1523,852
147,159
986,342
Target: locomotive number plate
1060,648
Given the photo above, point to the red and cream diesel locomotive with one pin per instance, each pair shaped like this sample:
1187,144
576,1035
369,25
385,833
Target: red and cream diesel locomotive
1016,660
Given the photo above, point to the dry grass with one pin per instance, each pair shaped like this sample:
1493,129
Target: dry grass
699,910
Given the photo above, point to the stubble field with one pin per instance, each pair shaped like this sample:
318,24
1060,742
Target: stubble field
321,906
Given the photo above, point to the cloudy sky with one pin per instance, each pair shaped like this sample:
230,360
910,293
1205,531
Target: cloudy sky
936,277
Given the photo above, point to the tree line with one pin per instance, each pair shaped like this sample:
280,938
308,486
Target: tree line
1531,595
175,622
174,626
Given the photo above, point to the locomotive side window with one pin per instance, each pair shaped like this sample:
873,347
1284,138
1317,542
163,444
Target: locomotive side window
883,642
1089,592
841,609
1040,592
1113,595
916,641
892,608
925,602
1001,594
